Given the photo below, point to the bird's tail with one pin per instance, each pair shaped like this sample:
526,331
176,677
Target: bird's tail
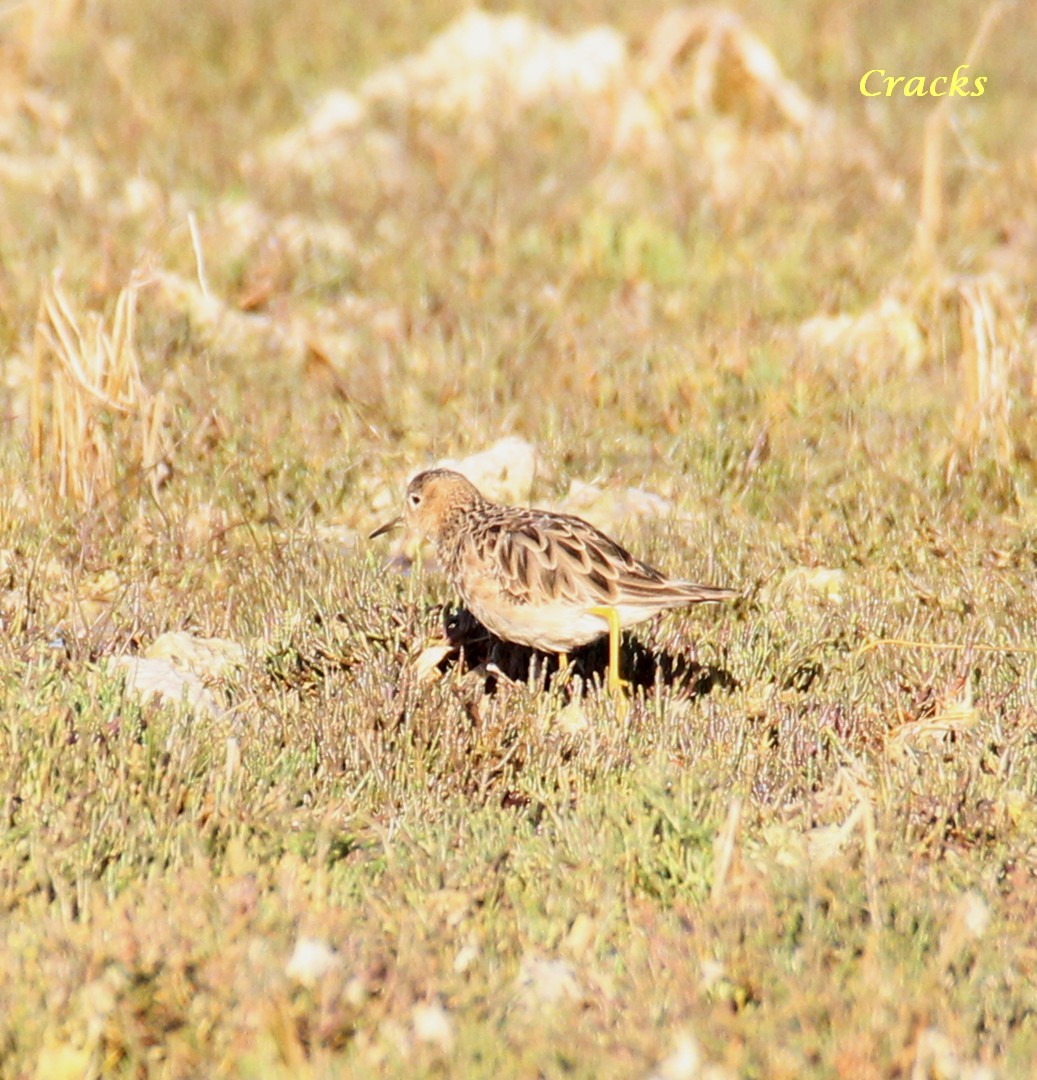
703,594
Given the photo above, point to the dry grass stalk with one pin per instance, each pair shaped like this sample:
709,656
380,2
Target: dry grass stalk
987,352
32,29
89,408
724,849
931,206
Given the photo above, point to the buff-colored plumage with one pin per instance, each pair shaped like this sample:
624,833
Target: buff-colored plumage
534,577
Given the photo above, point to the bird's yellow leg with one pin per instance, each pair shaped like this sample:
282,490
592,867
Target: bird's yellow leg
611,616
563,673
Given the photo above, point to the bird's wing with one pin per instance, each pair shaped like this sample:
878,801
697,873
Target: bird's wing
541,557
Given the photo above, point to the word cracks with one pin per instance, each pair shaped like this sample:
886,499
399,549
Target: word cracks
872,83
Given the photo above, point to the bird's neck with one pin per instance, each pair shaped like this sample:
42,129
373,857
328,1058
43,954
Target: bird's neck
454,528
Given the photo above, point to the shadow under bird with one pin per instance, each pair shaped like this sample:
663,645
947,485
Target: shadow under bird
537,578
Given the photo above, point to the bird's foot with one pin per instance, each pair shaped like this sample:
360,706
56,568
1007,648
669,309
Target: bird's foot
616,682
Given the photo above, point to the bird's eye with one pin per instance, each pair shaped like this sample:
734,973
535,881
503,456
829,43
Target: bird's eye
413,500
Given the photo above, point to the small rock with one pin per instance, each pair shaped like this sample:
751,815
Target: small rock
684,1061
159,678
936,1055
542,981
466,958
426,667
432,1025
608,509
884,337
804,581
572,719
968,922
581,934
200,655
311,960
504,472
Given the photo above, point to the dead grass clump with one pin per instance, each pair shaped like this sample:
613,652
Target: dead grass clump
706,60
991,331
327,842
480,70
882,340
91,417
31,31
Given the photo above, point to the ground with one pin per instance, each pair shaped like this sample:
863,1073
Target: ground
261,262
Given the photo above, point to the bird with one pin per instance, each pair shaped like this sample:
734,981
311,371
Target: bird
534,577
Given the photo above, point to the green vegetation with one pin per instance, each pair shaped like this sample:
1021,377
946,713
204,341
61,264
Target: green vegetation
812,337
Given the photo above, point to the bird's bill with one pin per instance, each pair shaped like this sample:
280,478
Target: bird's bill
387,527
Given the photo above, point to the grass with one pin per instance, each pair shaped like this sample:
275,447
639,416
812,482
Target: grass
824,866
